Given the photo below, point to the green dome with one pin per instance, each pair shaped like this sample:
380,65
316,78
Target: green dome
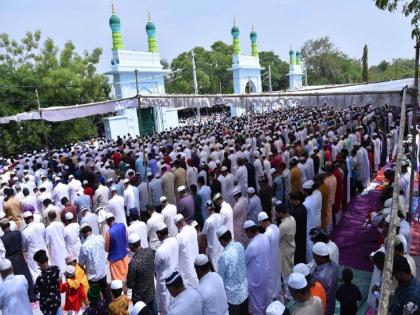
235,30
150,26
114,20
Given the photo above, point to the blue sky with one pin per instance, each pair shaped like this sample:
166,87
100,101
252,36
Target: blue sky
183,24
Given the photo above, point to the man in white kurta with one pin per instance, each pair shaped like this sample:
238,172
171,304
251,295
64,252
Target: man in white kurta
185,301
313,205
188,251
74,185
212,223
226,213
59,192
54,239
229,185
101,197
363,168
33,239
257,257
241,177
377,151
169,212
155,219
116,206
166,260
211,288
71,235
139,227
273,234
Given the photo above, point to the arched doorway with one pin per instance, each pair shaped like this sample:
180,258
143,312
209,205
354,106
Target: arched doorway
250,87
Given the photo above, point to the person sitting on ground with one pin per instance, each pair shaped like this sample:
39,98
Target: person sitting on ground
348,294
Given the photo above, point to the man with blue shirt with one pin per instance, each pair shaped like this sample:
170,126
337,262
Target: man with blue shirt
232,269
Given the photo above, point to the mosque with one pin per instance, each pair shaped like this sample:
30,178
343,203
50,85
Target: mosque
141,73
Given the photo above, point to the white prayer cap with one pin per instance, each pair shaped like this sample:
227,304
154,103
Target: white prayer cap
201,260
113,188
149,174
308,184
301,268
262,216
181,188
70,269
116,284
84,225
320,249
157,175
69,216
27,214
224,168
5,264
275,308
85,182
83,209
388,203
109,215
71,176
57,179
194,223
137,308
109,180
297,281
217,196
256,154
221,230
178,218
126,181
251,190
272,171
386,211
160,226
172,277
249,224
163,199
133,238
236,191
356,143
374,134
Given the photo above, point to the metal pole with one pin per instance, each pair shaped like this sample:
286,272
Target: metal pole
136,73
195,86
269,79
43,131
389,258
414,147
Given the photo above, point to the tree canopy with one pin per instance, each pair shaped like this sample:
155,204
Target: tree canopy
61,77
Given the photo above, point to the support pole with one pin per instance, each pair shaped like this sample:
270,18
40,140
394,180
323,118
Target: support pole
270,86
414,147
195,86
389,258
43,130
136,73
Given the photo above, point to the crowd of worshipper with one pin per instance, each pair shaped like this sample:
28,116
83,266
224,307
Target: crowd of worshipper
204,119
230,217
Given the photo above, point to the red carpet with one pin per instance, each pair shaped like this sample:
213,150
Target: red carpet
415,239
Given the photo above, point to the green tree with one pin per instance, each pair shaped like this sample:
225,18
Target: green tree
62,77
279,70
365,66
327,64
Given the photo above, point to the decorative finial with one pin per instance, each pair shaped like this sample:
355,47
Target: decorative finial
234,21
113,7
253,28
149,16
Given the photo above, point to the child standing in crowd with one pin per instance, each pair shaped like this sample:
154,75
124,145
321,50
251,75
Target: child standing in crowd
120,301
47,285
97,305
75,292
348,294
